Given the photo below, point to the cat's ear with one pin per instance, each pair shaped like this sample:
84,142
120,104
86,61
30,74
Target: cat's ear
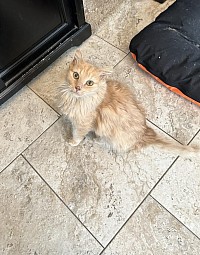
106,71
77,57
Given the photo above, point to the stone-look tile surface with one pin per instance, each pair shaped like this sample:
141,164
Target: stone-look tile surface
94,49
148,10
101,188
97,11
179,191
175,115
129,19
153,231
22,119
34,220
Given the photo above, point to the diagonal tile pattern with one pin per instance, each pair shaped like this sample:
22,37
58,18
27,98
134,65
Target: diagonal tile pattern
129,20
101,188
23,118
34,220
105,199
181,190
152,230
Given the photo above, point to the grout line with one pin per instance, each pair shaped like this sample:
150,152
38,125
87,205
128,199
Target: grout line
174,217
112,44
121,60
10,163
164,131
30,145
43,100
61,200
148,194
194,137
123,225
41,134
164,174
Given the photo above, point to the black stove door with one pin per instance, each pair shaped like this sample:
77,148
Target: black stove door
27,27
33,33
24,24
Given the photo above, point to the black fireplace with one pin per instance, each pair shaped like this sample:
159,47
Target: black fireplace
33,33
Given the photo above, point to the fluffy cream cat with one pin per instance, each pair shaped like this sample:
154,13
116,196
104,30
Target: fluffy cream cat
107,107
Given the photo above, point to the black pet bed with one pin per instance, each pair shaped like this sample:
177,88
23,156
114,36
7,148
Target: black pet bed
169,49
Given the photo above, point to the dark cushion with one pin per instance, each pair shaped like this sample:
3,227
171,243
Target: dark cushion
169,48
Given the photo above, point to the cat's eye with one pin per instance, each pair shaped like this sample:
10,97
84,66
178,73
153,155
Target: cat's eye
75,75
90,83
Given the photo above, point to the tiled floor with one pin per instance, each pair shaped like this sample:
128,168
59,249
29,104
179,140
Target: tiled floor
60,200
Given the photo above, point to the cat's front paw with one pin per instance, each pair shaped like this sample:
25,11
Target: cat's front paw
73,142
99,140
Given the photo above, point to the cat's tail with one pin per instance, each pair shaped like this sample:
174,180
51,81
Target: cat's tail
151,137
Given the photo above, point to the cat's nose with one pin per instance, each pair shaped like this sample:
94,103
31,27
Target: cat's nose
78,88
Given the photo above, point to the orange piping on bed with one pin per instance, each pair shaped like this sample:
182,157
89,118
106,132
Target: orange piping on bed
173,89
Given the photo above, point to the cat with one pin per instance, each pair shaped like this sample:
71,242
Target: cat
107,107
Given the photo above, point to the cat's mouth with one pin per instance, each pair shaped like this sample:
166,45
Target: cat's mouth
78,93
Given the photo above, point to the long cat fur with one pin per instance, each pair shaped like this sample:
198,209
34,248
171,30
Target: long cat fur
109,108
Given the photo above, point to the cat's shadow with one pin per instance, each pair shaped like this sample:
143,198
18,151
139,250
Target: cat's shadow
67,134
67,126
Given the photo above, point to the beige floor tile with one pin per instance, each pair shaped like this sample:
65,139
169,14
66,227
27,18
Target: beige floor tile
175,115
101,188
34,220
179,191
23,118
129,19
94,50
153,231
97,11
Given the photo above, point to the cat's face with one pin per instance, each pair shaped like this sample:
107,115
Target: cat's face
83,78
